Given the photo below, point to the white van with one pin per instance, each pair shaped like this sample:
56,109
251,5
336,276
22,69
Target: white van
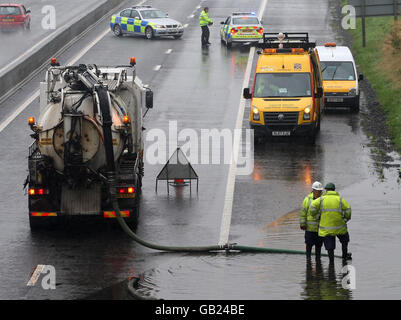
340,81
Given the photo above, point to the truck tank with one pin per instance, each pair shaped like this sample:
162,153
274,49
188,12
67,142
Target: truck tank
68,161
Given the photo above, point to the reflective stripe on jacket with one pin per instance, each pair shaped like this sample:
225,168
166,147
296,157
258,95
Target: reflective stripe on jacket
204,19
334,212
305,219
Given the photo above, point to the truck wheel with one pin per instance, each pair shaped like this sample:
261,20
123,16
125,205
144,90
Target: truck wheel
117,30
41,223
149,33
132,221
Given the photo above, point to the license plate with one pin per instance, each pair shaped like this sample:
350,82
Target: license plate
8,20
281,133
335,99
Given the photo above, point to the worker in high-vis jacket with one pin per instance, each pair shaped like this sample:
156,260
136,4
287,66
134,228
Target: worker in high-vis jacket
205,22
333,212
310,223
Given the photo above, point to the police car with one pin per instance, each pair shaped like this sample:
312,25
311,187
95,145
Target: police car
147,21
241,27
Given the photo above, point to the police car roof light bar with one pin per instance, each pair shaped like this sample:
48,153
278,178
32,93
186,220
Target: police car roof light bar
243,14
138,7
290,40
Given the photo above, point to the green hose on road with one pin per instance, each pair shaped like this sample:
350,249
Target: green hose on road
213,248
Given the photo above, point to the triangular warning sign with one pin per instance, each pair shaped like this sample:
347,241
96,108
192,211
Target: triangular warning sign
177,167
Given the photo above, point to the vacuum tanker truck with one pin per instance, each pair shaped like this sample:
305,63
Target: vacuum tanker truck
89,129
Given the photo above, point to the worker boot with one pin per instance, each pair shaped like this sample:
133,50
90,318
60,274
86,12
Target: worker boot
346,255
331,255
318,251
308,251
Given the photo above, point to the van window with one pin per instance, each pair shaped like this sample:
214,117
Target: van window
337,70
282,85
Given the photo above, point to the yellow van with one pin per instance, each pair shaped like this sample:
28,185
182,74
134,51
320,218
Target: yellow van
340,82
287,93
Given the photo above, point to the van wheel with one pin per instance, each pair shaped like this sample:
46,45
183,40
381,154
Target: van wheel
311,137
355,107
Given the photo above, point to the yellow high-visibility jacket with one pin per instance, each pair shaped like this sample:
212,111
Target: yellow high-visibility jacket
204,19
333,211
305,219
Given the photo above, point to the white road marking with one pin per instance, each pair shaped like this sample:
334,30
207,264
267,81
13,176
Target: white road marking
157,68
36,94
169,51
229,197
35,275
186,25
191,16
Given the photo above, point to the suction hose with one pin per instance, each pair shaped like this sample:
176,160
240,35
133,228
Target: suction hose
105,109
213,248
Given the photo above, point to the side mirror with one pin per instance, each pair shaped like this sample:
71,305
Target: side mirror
360,78
261,21
319,93
149,99
28,11
166,15
247,94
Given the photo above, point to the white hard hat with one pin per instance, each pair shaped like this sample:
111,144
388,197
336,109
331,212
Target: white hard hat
317,186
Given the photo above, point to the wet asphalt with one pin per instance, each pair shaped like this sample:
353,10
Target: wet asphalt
15,42
200,89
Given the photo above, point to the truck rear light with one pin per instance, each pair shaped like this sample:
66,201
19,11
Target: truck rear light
125,190
38,191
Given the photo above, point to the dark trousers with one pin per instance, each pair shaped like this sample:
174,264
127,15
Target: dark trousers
205,35
313,239
330,244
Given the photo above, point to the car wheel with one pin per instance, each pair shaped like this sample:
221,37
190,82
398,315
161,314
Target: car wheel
149,33
228,44
117,30
178,37
28,26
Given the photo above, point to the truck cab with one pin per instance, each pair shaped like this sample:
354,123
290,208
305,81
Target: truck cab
287,93
340,81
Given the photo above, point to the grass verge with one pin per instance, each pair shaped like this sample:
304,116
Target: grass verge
380,62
